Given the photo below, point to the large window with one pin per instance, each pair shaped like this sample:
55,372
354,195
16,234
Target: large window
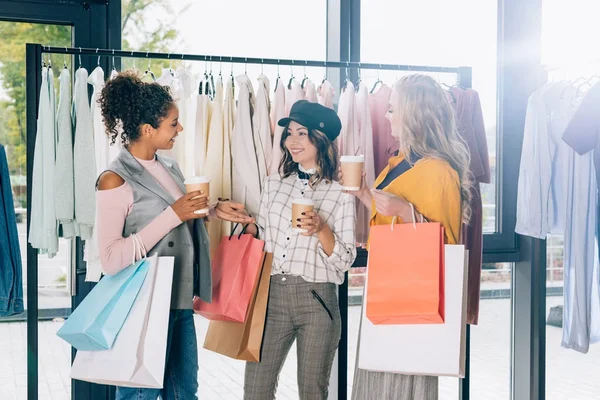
569,45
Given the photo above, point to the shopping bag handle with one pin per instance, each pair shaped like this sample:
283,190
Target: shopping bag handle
138,248
243,230
414,222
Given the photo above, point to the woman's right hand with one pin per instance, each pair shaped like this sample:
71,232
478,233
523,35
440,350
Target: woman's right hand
363,194
186,205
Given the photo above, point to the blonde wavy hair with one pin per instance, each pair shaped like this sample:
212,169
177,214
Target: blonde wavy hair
427,128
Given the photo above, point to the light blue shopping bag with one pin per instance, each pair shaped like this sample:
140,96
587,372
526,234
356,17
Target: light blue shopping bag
95,324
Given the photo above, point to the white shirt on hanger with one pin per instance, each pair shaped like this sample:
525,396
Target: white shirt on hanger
84,155
203,114
247,185
187,118
64,186
277,113
43,233
101,141
228,123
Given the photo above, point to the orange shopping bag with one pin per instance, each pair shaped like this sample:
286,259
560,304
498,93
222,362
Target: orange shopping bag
406,274
236,271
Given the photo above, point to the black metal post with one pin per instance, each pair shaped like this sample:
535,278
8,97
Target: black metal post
33,84
465,80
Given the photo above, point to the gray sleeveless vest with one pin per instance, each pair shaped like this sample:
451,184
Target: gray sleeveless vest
188,243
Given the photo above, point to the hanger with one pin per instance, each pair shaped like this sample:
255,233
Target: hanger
305,77
149,70
113,61
359,81
98,56
377,82
292,77
80,63
65,60
278,77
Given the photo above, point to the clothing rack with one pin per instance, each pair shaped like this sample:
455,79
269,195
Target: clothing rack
34,60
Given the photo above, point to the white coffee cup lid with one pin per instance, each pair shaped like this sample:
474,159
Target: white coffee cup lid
194,180
359,158
303,201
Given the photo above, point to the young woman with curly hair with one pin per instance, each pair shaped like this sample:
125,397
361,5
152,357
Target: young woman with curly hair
307,267
432,173
143,193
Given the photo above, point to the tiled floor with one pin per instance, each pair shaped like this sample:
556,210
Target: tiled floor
570,375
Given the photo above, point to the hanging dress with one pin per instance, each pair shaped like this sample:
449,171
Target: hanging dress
310,91
203,112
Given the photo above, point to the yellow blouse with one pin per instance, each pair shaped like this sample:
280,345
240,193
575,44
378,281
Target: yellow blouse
433,187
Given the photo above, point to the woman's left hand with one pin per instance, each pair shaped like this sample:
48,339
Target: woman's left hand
312,222
233,212
391,205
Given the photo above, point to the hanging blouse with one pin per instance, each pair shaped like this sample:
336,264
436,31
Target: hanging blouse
64,187
293,93
263,141
96,80
228,123
325,94
114,148
277,113
215,159
384,144
187,118
246,176
349,140
84,155
43,233
365,133
169,80
310,91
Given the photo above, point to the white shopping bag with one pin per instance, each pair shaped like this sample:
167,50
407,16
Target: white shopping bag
137,358
429,349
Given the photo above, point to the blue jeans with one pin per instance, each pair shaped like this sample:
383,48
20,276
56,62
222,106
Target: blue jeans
181,374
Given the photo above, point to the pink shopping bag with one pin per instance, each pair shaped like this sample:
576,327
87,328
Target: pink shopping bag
236,270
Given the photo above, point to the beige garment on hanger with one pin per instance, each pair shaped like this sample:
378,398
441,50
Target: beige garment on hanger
228,123
263,139
310,91
325,94
203,114
277,112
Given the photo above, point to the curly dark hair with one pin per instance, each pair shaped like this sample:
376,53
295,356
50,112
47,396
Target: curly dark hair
327,158
129,100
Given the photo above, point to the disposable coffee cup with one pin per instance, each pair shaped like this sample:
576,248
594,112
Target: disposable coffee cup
352,168
300,206
196,183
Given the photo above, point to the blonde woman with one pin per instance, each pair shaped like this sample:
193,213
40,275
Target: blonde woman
431,172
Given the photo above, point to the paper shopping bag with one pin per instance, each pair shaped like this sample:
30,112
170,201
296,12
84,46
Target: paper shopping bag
406,270
422,349
236,269
243,340
138,356
96,322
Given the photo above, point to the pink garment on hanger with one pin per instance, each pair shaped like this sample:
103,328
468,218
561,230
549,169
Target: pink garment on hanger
293,93
325,94
365,133
384,144
310,91
348,141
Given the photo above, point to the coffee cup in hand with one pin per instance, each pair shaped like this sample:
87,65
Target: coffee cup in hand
198,183
352,169
300,206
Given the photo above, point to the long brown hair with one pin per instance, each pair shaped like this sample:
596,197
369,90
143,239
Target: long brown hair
428,129
327,157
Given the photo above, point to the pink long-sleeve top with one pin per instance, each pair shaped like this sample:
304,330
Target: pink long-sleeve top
114,205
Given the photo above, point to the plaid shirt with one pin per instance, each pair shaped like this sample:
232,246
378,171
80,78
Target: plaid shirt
300,255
